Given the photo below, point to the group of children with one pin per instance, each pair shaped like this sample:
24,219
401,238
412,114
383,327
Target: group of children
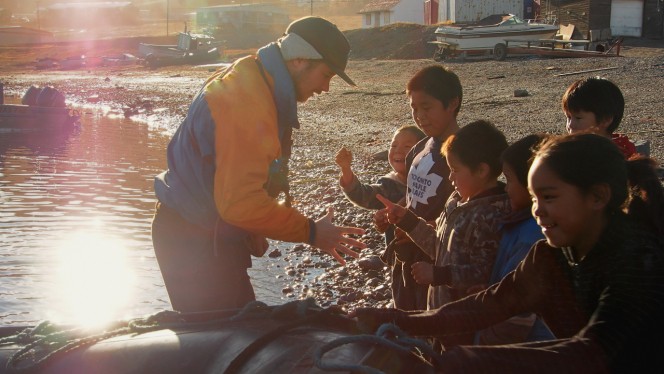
469,266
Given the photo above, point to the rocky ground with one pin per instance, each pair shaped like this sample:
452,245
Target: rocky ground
363,118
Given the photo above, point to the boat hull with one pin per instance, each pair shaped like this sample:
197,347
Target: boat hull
28,118
230,347
183,58
161,50
492,32
472,39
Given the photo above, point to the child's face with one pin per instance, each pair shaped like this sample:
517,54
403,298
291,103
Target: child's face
430,114
568,217
466,182
401,144
517,192
581,121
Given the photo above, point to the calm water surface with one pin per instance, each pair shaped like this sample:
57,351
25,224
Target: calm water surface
75,213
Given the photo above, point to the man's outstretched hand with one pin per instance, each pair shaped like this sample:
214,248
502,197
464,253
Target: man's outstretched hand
333,239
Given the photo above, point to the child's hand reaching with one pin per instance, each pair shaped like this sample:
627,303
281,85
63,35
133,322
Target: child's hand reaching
344,159
380,221
393,212
422,272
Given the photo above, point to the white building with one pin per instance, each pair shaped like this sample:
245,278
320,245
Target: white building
461,11
384,12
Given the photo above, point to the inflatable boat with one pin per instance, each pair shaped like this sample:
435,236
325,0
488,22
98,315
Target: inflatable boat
41,109
291,338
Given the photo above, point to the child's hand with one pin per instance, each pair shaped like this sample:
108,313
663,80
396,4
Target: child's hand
422,272
344,158
380,221
393,212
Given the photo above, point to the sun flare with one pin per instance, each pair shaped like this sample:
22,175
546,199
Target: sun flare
93,282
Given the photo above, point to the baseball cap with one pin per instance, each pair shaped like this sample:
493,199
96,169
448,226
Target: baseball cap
327,40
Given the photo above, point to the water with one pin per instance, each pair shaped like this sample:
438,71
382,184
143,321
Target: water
75,213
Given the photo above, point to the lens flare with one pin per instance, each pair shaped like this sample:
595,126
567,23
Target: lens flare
93,282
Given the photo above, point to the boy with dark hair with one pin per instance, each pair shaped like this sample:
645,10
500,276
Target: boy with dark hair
435,97
596,105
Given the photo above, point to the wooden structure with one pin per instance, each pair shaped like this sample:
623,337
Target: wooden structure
624,17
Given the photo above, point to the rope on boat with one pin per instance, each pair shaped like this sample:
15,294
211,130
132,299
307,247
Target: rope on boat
388,335
308,312
50,340
58,341
46,341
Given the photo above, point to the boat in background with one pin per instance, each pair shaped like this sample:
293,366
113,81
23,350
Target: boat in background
191,49
490,34
73,62
41,109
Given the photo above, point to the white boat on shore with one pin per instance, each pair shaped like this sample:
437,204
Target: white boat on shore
191,48
492,33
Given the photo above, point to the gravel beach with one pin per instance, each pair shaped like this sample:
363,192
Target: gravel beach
363,118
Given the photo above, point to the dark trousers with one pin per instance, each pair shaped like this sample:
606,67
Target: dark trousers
198,276
407,295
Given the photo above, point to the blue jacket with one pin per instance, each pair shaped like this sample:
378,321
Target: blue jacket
520,232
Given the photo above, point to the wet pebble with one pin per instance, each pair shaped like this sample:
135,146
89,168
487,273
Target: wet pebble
274,253
299,247
350,297
521,93
373,282
371,263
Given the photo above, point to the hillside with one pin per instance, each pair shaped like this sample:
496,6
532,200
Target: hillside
403,41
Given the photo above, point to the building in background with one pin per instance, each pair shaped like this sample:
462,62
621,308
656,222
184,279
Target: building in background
623,17
463,11
254,17
378,13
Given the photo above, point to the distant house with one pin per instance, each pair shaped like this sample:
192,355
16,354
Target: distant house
246,17
16,35
624,17
461,11
384,12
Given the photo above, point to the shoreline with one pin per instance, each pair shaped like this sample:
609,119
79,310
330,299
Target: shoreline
363,118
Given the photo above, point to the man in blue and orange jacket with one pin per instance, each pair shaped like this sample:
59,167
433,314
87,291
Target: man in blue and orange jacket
216,202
